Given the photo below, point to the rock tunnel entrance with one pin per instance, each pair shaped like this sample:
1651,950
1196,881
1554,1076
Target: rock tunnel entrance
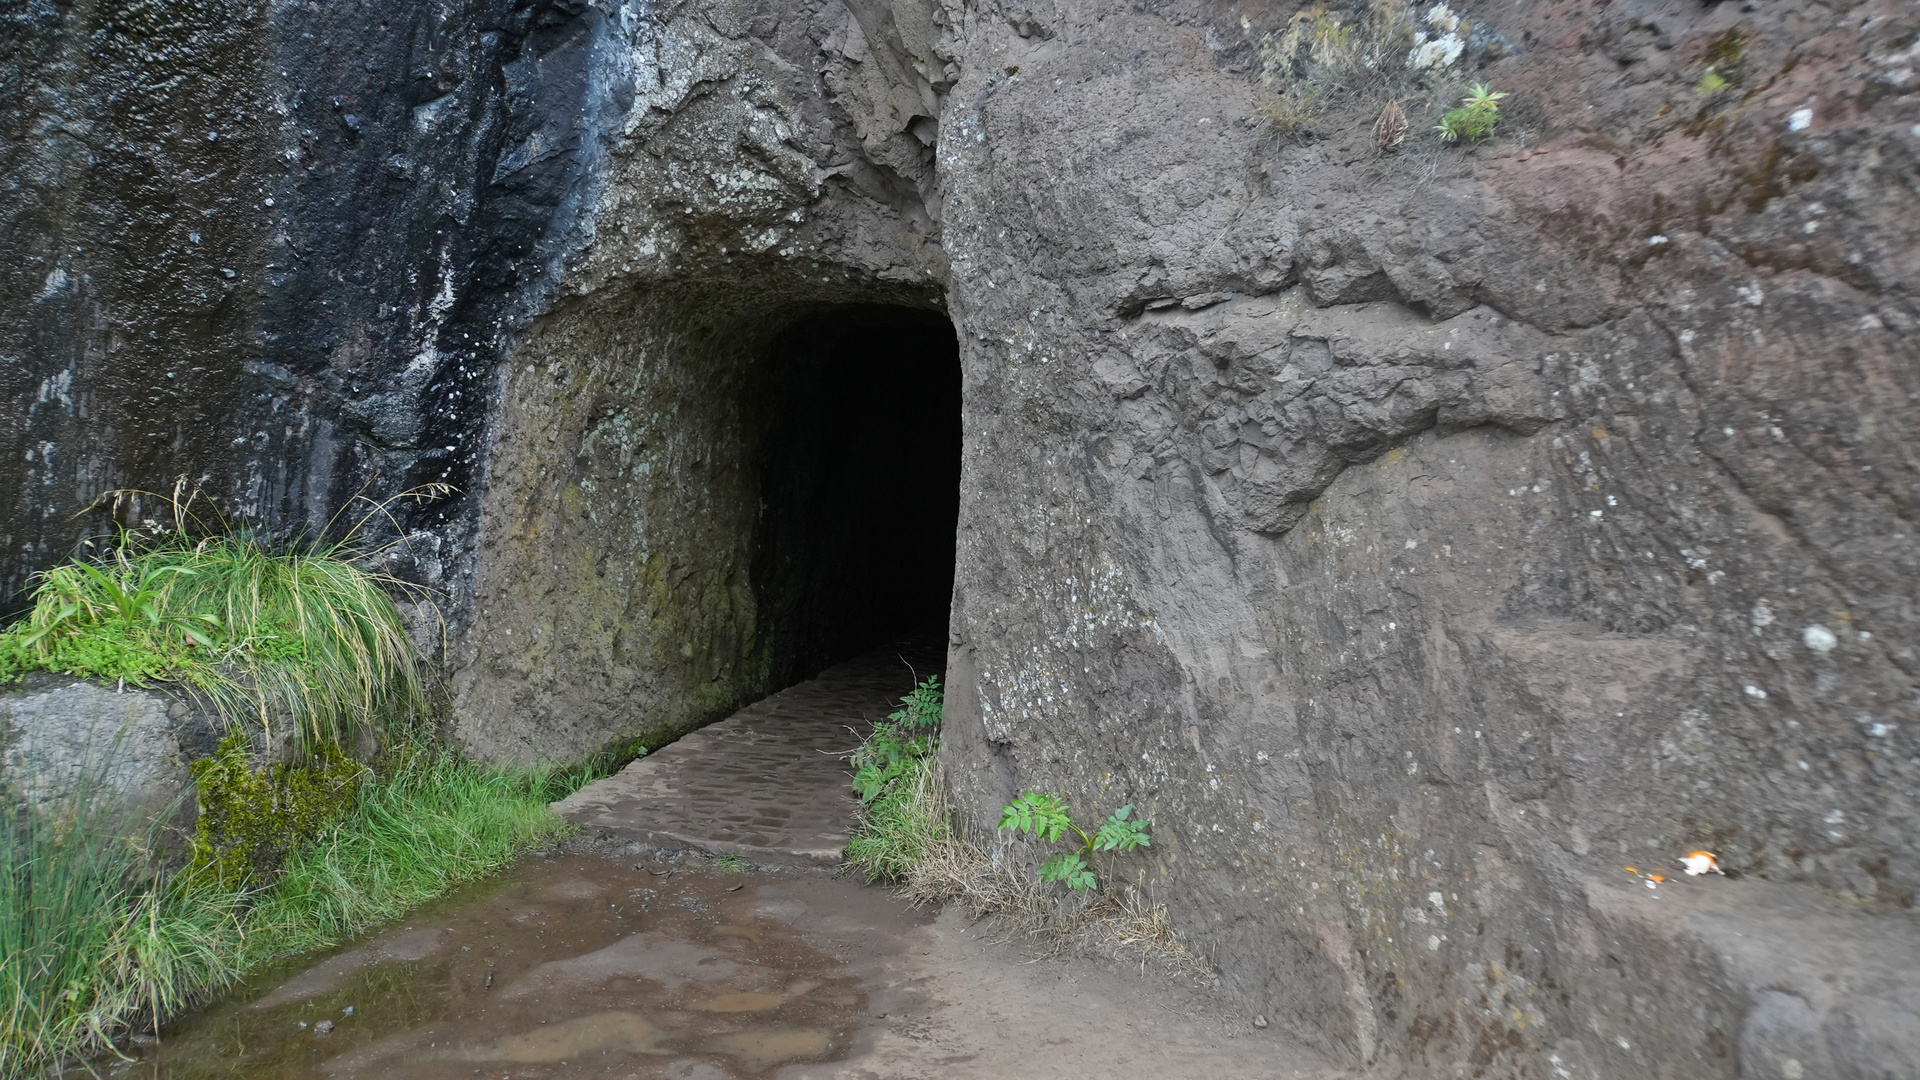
859,485
696,499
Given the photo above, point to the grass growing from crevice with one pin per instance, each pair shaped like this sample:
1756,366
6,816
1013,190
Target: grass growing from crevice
907,838
307,637
890,769
900,829
1340,64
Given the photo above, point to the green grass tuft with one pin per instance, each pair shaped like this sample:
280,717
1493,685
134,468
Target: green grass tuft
901,818
437,821
307,637
901,827
87,944
89,947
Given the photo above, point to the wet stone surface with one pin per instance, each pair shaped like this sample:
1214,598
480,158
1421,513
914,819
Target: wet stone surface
771,782
576,966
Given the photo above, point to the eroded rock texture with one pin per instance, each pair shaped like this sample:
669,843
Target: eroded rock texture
1419,537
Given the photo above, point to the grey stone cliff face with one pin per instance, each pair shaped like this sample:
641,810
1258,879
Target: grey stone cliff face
1419,538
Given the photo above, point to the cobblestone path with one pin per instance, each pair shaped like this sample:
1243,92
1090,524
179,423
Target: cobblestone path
770,783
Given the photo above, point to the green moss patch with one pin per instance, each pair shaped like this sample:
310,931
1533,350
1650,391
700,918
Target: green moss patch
251,818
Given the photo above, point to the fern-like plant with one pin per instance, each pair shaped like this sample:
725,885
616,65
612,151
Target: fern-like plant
1474,120
1048,818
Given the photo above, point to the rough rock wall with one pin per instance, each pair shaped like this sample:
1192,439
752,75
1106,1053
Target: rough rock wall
748,187
275,248
1424,537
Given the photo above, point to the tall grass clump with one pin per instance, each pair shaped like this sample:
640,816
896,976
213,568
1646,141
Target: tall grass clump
307,636
299,644
89,943
94,943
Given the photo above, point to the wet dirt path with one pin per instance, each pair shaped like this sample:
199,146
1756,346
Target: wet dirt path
637,957
649,968
581,966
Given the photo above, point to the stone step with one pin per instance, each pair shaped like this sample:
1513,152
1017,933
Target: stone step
1787,982
771,783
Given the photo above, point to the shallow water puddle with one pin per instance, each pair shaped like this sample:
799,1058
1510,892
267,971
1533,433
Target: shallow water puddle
573,967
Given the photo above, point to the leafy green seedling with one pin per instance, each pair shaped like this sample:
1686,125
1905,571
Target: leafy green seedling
1047,817
899,743
1042,815
1118,833
1071,868
1474,120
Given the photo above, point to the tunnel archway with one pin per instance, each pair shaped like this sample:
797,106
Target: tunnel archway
699,496
859,471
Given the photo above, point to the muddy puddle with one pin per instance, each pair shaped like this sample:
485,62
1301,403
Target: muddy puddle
579,966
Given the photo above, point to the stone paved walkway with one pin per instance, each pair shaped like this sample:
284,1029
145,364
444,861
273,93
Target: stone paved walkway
770,783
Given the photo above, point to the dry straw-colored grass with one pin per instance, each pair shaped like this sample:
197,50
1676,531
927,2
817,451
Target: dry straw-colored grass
946,868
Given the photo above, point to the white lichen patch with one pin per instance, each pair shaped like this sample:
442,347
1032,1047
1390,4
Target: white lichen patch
1441,43
1084,611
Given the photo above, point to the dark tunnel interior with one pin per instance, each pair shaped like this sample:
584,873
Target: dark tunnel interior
860,486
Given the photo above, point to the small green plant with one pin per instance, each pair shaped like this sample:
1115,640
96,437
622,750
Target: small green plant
899,743
1048,818
1476,116
729,863
1711,84
901,817
123,592
1726,54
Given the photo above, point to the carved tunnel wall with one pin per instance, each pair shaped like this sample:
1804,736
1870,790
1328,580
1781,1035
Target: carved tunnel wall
698,495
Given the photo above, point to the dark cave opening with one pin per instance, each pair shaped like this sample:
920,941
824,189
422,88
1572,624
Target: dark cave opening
859,486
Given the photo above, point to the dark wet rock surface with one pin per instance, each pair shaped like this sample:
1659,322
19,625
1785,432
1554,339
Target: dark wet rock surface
1467,521
769,783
